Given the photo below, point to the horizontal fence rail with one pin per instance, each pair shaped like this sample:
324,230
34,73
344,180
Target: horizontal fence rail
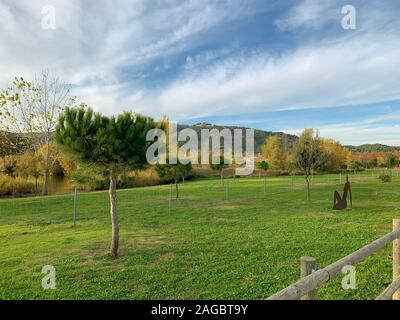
311,282
389,291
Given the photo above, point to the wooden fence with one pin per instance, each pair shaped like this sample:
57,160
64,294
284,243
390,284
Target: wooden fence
311,279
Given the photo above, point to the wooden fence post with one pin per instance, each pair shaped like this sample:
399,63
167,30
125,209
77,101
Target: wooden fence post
307,266
396,257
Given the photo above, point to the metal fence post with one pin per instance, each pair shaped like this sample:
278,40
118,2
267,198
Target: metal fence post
75,196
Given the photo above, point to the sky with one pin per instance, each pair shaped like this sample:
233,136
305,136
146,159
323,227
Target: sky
279,65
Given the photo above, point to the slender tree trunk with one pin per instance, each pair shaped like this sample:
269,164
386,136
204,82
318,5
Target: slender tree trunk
265,183
45,191
308,188
114,216
177,188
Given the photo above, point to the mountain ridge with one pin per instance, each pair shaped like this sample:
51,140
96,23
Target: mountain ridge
288,139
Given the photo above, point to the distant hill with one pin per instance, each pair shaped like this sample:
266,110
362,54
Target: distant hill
259,135
289,140
377,147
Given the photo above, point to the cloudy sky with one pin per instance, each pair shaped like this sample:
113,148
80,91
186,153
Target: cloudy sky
275,65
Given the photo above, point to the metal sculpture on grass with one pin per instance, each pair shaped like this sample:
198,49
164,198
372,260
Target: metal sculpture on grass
340,202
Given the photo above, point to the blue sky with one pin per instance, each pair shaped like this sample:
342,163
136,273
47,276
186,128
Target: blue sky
274,65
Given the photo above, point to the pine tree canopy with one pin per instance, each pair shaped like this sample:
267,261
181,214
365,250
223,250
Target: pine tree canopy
106,141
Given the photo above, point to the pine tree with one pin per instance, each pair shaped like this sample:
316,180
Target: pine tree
113,143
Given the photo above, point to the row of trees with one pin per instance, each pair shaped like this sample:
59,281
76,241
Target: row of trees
278,157
312,153
31,163
368,160
336,157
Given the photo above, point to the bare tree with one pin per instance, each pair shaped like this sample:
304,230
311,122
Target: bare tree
31,109
52,99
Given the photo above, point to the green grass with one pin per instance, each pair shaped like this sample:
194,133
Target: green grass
208,247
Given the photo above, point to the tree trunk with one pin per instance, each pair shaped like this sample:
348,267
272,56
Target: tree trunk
265,184
222,179
177,188
45,191
308,188
114,216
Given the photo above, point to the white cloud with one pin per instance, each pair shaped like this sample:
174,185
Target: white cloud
311,14
354,71
95,40
378,129
356,134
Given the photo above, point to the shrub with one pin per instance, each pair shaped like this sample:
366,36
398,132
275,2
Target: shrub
10,186
385,178
148,177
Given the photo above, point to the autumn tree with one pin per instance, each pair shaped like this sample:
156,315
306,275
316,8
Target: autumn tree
273,152
309,155
336,156
29,165
31,110
112,143
10,146
67,163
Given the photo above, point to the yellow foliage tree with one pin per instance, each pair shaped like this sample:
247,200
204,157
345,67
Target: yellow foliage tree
68,163
337,157
274,153
51,152
28,165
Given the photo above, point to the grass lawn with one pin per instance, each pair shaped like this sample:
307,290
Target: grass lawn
211,245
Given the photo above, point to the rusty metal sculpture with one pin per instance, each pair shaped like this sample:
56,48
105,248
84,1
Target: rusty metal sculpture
340,203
